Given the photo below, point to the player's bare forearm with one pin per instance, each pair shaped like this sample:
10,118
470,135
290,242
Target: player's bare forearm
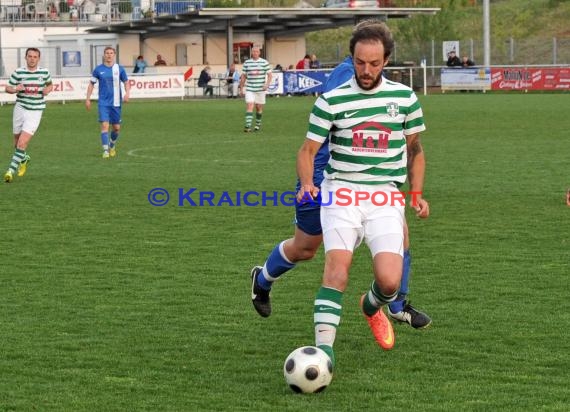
14,89
89,91
88,97
127,96
416,174
305,167
268,82
416,163
47,90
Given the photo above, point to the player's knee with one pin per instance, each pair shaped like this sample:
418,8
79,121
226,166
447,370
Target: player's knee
299,252
390,287
307,253
336,279
337,265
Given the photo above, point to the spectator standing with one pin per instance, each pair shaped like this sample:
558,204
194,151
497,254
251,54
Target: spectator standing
453,60
467,62
140,65
159,61
203,81
314,63
304,63
88,8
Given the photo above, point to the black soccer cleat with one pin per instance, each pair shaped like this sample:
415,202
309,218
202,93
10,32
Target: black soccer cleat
259,296
410,315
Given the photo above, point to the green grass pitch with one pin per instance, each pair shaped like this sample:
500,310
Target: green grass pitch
110,304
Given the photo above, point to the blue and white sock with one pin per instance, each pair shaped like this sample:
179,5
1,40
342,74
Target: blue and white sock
275,265
105,141
398,304
114,138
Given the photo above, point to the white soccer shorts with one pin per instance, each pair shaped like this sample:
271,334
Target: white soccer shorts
255,97
26,120
345,224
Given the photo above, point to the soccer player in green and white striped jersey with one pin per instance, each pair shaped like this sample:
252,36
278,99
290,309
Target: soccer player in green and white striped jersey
31,84
373,125
256,78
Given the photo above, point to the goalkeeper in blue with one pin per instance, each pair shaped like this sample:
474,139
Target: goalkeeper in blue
308,238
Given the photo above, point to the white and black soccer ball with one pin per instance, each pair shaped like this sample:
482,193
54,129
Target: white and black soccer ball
308,369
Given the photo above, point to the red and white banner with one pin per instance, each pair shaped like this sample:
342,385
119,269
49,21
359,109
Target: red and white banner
530,78
142,87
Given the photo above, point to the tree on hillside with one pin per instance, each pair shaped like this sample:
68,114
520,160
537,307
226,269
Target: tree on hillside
419,29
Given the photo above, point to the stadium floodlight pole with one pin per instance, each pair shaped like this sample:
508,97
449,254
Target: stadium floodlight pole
486,34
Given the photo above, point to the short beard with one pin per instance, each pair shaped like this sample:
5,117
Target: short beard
374,84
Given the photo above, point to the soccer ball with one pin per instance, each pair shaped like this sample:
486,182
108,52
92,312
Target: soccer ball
308,369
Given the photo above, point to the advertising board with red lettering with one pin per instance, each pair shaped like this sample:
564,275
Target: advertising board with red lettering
521,78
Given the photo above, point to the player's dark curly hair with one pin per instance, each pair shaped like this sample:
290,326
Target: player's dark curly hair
372,30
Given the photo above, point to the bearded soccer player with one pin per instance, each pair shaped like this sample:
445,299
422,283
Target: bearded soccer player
308,237
390,116
31,84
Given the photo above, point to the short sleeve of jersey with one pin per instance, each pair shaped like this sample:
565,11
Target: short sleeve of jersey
14,80
94,76
414,122
123,75
320,120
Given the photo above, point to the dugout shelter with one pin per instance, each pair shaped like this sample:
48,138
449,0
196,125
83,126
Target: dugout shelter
269,25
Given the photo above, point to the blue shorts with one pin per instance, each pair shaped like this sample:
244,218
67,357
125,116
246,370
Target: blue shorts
110,114
308,219
308,216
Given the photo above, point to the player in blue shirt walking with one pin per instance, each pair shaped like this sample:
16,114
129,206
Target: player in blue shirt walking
109,75
308,237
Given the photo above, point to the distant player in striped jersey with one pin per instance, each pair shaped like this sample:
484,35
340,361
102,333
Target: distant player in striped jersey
109,75
255,79
374,126
31,84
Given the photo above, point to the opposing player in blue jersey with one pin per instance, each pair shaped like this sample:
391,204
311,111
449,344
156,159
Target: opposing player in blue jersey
308,237
109,75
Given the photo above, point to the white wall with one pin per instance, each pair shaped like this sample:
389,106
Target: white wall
282,50
286,50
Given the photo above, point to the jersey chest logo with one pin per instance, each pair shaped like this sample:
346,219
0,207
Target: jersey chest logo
392,109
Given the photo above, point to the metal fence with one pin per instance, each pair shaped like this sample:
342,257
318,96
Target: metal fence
56,12
510,51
